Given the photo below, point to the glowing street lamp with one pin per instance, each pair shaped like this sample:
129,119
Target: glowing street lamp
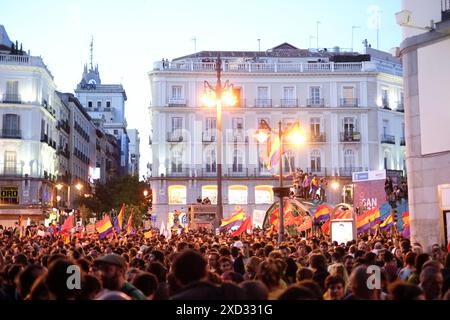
145,193
59,186
79,186
216,96
335,185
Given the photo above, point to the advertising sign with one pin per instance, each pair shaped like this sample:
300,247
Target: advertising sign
342,231
368,190
9,195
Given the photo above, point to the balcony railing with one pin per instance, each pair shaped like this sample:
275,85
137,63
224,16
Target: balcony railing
237,170
319,171
11,134
318,137
237,137
403,141
352,136
317,103
23,60
349,102
174,137
11,98
263,103
209,170
445,5
347,172
177,171
177,102
208,137
387,138
289,103
11,170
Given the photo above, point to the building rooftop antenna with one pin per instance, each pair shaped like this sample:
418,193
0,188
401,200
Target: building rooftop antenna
92,52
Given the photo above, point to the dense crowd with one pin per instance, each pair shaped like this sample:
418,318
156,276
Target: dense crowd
199,265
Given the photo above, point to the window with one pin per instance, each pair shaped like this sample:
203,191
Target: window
315,126
99,104
263,92
237,194
315,161
237,161
116,131
385,127
89,104
177,124
349,125
10,162
263,195
349,159
108,104
289,162
314,94
177,194
11,126
210,160
210,126
176,162
176,92
288,93
210,192
12,91
238,124
385,98
348,96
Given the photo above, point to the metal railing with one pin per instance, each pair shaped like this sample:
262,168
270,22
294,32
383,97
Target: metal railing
174,137
176,171
23,60
289,103
11,134
349,102
319,171
11,98
237,170
350,136
318,103
177,102
208,137
11,170
263,103
387,138
236,137
317,137
347,172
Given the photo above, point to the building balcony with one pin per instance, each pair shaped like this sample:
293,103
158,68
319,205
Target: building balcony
403,141
319,171
289,103
263,103
347,172
237,170
208,137
315,103
11,98
174,137
350,136
11,134
387,138
11,170
64,152
177,171
237,137
177,102
385,104
349,102
316,138
209,171
11,59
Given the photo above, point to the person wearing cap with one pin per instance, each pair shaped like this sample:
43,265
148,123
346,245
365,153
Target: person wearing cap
112,268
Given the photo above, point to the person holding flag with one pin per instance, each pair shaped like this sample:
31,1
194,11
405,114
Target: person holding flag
118,222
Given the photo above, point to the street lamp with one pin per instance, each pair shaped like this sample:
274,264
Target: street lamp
145,193
216,96
296,136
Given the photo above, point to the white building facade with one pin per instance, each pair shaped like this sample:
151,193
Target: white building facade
28,112
135,155
349,106
425,50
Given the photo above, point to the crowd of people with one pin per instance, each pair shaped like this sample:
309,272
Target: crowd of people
309,186
200,265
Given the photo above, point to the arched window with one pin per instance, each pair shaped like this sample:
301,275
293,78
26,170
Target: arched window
237,194
210,160
263,195
349,159
237,161
315,161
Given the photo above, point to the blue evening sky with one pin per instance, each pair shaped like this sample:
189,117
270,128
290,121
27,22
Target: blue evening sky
130,35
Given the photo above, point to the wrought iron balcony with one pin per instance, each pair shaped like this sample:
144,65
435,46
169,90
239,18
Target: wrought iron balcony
387,138
11,170
174,137
349,102
315,103
177,102
208,137
177,171
263,103
318,137
11,98
11,134
350,136
289,103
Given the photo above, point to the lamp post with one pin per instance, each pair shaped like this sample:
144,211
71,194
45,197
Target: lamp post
281,191
211,98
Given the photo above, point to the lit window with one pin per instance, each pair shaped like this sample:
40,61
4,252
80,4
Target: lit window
237,194
177,195
263,195
210,192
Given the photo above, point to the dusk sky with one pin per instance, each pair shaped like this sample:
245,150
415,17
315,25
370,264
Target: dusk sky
130,35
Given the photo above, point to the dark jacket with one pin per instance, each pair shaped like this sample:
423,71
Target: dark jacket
204,290
238,265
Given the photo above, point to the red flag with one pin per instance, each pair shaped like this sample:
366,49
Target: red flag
130,222
326,228
67,225
247,224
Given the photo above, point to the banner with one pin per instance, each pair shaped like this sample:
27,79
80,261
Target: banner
90,229
258,218
368,190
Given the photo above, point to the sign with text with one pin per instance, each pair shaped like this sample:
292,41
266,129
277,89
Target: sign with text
368,190
9,195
